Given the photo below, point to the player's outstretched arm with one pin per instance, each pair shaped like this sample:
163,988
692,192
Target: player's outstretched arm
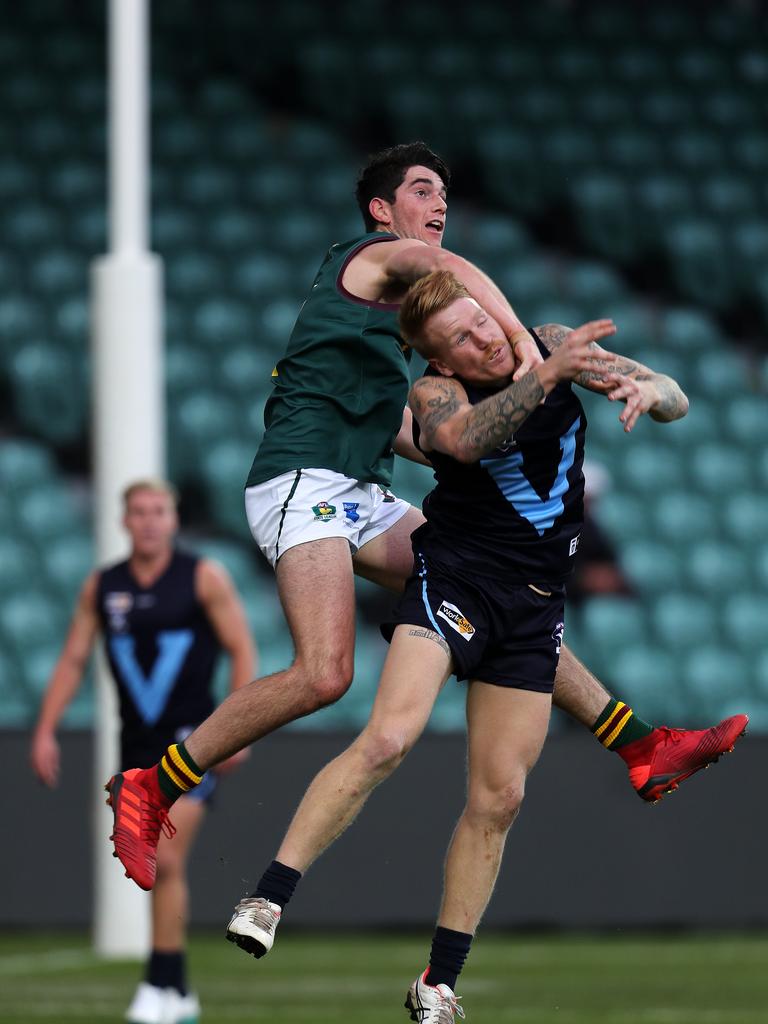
625,380
409,260
64,683
469,432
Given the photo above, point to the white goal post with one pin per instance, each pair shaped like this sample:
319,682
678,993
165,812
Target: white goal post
128,422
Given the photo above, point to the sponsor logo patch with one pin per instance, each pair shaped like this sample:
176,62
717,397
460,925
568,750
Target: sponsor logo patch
456,620
350,510
557,636
323,511
574,545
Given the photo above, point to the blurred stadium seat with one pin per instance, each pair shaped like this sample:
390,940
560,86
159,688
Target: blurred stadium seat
616,159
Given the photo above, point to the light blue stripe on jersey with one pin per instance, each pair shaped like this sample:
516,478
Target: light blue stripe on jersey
424,597
150,694
514,484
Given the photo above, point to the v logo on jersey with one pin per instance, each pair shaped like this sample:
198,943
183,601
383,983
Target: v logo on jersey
516,487
151,695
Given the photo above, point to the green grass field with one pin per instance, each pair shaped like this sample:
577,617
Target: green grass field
329,978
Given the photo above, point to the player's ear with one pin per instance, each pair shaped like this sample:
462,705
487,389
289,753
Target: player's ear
380,210
441,368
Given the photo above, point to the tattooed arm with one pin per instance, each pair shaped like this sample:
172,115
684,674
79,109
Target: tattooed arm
624,380
451,425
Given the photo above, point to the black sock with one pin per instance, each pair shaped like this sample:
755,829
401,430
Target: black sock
277,883
167,970
449,951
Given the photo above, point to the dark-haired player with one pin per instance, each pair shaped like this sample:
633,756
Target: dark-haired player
485,601
317,496
164,614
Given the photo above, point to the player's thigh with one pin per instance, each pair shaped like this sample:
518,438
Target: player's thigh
187,816
415,670
506,729
387,559
317,591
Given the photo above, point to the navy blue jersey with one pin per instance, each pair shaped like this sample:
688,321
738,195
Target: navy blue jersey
517,513
161,648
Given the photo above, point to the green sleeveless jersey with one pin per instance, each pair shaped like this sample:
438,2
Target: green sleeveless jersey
340,389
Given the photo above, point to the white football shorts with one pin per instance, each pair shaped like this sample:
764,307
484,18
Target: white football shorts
309,504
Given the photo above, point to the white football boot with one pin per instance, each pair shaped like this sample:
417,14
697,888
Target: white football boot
182,1009
432,1004
149,1005
253,925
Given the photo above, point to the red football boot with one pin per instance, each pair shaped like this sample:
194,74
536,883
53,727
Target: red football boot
141,811
659,762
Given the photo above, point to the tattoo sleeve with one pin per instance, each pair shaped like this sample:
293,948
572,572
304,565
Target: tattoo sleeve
479,428
553,336
671,403
437,402
496,419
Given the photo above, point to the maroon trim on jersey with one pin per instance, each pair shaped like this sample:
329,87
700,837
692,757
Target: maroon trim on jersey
392,306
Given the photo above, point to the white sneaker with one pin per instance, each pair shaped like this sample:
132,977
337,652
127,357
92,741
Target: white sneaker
182,1009
149,1005
253,925
432,1004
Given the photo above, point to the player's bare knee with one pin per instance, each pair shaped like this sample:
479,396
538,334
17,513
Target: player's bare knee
383,749
497,808
325,680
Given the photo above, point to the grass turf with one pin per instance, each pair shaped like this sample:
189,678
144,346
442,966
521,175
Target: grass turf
329,978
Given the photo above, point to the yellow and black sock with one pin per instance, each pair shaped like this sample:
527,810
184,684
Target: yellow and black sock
618,725
177,772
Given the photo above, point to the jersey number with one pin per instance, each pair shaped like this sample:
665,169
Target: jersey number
150,695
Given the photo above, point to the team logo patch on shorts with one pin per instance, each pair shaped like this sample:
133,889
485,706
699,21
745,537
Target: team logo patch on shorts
456,620
557,636
323,511
350,510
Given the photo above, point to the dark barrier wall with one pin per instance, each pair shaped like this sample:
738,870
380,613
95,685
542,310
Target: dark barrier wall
585,851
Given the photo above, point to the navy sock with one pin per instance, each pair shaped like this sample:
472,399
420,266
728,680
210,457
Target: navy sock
449,951
167,970
277,883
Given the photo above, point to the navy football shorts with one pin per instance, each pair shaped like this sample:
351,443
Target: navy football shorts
508,634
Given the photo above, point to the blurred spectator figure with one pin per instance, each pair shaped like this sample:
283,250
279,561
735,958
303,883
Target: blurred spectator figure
598,569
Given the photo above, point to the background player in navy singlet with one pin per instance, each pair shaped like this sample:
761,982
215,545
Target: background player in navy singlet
164,614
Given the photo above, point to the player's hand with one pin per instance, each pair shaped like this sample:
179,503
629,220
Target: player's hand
639,395
45,758
527,355
231,763
580,353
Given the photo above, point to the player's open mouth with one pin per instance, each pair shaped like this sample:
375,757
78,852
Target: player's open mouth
436,225
496,355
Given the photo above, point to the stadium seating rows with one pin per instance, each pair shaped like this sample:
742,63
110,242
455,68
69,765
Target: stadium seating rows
653,156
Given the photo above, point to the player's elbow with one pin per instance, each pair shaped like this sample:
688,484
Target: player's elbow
682,405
